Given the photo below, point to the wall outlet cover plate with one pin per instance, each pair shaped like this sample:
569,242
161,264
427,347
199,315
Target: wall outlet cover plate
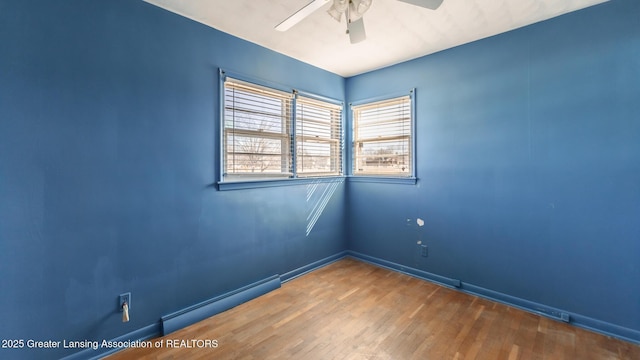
126,297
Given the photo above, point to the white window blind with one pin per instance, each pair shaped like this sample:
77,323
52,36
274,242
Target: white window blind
383,136
318,138
257,132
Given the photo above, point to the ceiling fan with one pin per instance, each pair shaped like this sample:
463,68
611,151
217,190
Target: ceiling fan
353,10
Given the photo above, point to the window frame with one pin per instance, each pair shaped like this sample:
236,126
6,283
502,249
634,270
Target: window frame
335,139
411,177
259,137
245,181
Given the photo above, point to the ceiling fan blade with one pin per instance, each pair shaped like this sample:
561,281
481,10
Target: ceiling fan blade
429,4
300,14
356,31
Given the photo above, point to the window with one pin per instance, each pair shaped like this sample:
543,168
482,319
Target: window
318,136
257,124
264,139
383,138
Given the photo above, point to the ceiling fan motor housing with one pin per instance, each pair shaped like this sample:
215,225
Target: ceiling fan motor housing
352,9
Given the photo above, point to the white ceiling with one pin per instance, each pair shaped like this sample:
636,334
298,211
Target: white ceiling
396,31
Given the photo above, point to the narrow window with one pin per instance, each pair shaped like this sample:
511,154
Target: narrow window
383,138
318,138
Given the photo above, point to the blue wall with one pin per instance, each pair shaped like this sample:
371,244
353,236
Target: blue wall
528,159
108,150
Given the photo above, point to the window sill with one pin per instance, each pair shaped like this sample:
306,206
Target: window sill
384,180
254,184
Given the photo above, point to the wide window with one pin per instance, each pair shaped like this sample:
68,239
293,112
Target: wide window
270,134
383,138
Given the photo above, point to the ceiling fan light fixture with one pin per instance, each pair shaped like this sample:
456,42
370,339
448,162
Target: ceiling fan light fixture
341,5
357,8
338,8
363,6
337,15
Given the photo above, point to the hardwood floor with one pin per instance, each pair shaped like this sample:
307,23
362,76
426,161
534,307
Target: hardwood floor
353,310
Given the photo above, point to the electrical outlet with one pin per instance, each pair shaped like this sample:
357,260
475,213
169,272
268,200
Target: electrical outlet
126,297
425,250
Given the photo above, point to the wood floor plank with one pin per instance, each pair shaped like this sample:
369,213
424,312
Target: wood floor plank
354,310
